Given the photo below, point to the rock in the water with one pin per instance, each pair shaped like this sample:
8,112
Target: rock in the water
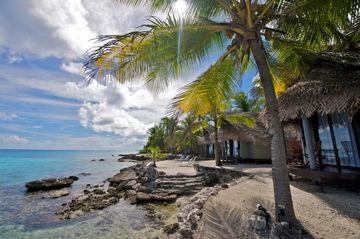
101,160
75,178
143,197
85,174
56,193
130,184
124,175
48,184
120,186
99,191
130,195
134,157
111,190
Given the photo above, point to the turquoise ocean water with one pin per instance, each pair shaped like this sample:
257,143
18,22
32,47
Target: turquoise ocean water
24,215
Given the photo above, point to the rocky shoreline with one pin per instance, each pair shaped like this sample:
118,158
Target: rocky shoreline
137,184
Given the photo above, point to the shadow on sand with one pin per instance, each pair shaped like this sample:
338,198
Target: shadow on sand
345,202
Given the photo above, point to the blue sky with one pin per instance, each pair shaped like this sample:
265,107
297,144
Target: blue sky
44,103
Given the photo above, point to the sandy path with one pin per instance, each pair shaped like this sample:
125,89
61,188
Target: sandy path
172,167
333,214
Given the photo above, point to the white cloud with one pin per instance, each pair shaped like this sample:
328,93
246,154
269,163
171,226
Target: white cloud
13,140
63,28
109,108
103,117
125,110
72,67
7,116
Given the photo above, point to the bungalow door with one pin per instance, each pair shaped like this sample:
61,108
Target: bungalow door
337,138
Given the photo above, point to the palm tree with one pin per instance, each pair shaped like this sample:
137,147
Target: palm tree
243,29
154,153
187,134
246,104
162,135
202,99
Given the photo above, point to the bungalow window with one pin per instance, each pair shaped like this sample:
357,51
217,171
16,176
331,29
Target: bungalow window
337,140
356,126
210,149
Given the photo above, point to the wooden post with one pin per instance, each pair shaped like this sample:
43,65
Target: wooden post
239,150
231,144
308,142
225,150
336,151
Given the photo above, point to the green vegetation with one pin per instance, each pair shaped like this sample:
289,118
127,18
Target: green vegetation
161,135
154,153
270,35
173,136
180,134
200,98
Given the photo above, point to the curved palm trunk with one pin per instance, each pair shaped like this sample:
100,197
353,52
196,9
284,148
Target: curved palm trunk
280,175
216,144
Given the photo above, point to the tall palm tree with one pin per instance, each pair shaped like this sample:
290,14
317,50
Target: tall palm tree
243,29
247,104
209,99
187,133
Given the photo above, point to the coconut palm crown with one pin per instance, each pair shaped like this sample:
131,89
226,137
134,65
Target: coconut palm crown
243,30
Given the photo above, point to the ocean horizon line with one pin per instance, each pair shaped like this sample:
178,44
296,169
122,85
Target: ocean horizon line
27,149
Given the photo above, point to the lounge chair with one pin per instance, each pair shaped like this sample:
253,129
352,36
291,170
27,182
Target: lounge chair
181,158
186,159
190,163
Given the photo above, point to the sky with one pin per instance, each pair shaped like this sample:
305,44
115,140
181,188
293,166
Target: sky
44,101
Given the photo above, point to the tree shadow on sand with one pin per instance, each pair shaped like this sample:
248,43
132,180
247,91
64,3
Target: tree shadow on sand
223,221
345,202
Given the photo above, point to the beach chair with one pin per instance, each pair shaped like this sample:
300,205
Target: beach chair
187,158
190,163
181,158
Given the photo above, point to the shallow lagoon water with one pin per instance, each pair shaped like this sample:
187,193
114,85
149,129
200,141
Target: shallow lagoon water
24,215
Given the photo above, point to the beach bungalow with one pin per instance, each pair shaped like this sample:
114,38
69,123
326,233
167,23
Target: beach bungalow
325,108
239,143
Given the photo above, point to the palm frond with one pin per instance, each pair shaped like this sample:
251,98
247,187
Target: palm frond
238,117
313,22
209,90
153,53
198,126
221,221
202,8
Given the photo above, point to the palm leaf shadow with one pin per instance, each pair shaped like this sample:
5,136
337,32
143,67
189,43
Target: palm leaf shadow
221,221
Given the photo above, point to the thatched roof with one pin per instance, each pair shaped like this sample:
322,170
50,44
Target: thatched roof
239,131
332,86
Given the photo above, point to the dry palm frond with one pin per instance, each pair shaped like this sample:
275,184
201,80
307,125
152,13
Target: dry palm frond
332,87
220,221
